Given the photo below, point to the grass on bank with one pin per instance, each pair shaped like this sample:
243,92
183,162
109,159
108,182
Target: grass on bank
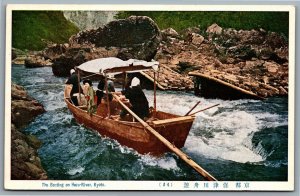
179,20
30,27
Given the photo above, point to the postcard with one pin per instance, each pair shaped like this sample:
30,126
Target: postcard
150,97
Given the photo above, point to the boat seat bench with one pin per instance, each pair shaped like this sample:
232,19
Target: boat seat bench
181,119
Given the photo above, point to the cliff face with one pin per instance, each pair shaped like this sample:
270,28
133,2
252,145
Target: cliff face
89,19
32,30
25,163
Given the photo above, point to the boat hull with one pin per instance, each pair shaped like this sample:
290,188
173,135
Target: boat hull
133,134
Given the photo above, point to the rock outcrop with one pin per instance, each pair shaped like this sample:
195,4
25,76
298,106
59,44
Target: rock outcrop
18,56
253,60
25,163
37,61
135,37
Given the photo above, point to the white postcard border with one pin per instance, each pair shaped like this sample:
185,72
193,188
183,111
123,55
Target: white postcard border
151,185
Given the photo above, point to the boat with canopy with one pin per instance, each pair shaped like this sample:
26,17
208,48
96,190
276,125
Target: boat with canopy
161,132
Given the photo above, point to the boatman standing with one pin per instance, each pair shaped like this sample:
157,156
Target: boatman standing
137,99
73,79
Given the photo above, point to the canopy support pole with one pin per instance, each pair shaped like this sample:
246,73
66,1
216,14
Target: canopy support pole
78,76
154,99
124,80
107,97
172,147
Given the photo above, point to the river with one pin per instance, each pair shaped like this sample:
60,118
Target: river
243,140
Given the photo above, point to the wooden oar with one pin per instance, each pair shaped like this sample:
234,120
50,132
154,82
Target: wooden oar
173,148
192,108
205,109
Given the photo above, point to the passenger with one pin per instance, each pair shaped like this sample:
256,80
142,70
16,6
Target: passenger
90,94
102,109
73,79
86,84
137,99
101,91
110,84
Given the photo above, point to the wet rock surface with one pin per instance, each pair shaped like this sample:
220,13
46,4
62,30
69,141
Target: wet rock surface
25,163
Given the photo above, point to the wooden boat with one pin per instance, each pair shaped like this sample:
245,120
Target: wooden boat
173,128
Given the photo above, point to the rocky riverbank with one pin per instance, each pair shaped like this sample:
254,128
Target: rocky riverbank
25,163
254,60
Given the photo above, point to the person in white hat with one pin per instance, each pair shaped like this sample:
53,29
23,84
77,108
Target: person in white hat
137,99
72,71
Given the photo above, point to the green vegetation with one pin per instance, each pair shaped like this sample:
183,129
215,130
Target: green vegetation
270,21
30,27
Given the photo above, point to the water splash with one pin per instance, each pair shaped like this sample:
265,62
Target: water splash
76,170
224,132
168,163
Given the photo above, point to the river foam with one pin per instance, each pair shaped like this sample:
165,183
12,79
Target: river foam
223,132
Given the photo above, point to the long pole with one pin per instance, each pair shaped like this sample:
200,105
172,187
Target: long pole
173,148
205,109
192,108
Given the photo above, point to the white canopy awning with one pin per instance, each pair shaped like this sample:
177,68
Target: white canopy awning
115,65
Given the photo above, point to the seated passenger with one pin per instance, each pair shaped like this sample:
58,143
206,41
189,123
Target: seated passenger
100,93
90,95
137,99
110,84
86,84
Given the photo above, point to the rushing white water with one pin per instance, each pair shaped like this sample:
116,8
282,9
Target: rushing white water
224,132
168,163
76,170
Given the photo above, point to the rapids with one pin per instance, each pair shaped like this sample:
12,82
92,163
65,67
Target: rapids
237,140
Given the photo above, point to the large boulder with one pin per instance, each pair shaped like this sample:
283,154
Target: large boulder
136,37
23,107
140,34
64,63
25,163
